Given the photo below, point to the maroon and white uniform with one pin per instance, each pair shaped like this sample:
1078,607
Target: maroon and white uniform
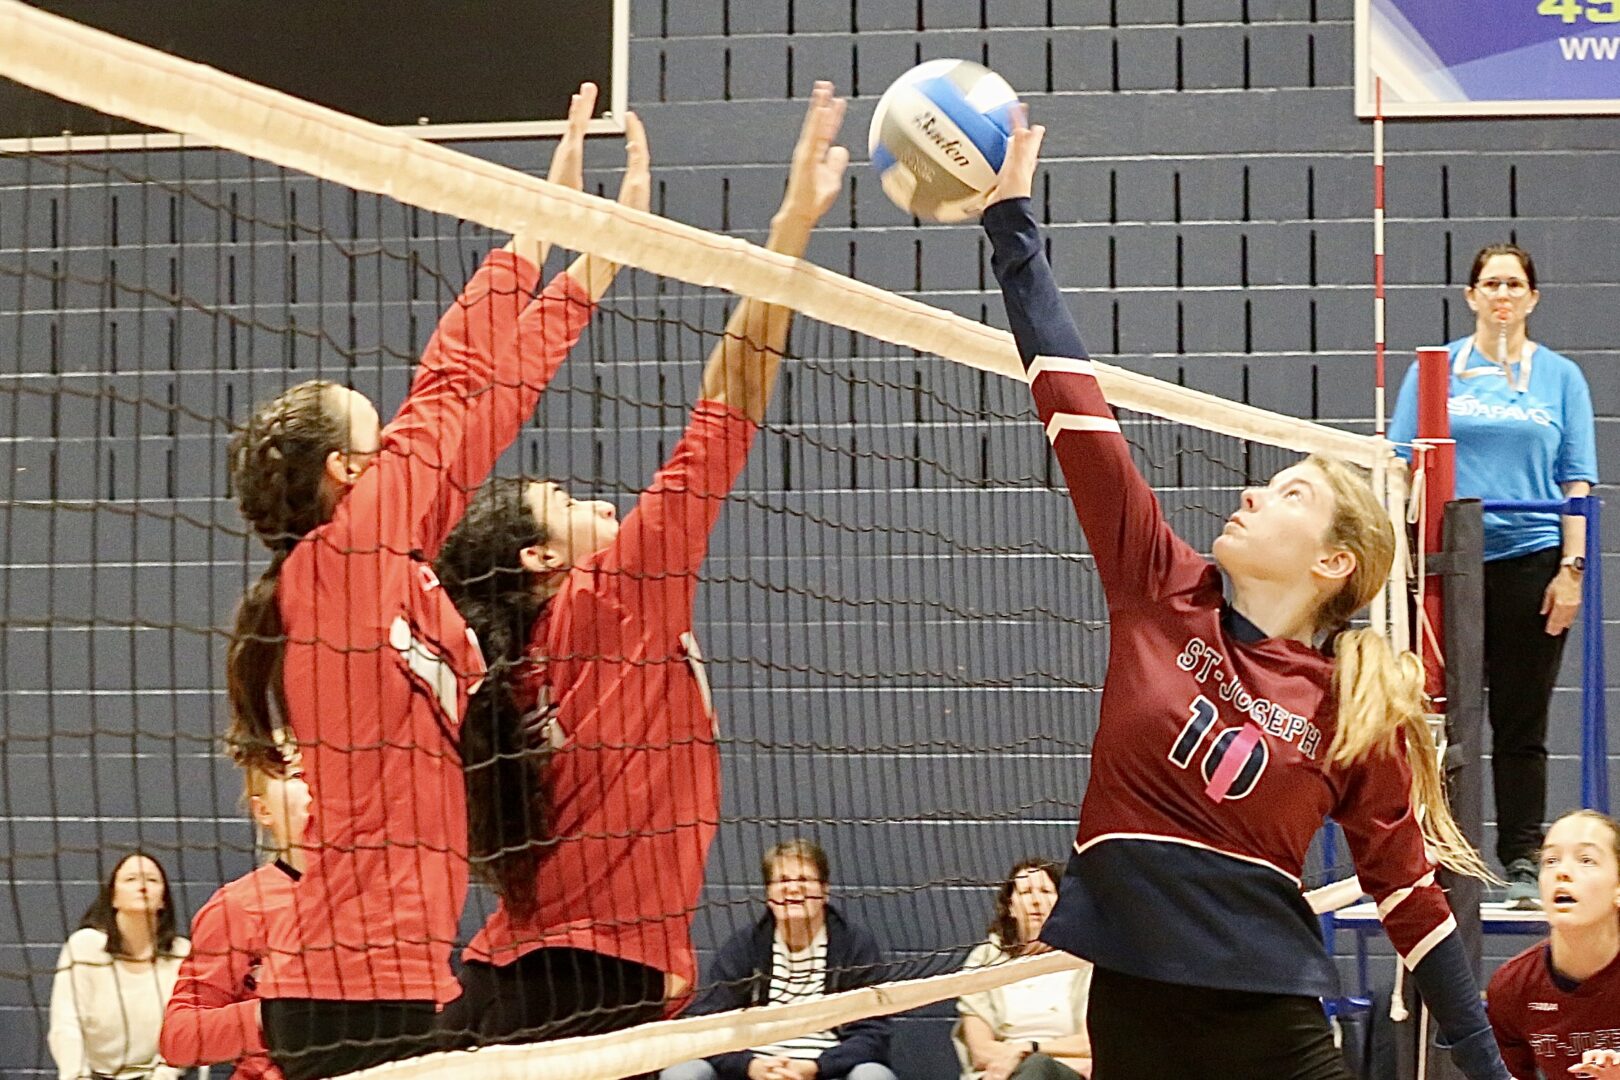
1208,773
1545,1021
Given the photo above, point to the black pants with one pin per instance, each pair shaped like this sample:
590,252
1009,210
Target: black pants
1146,1030
1521,668
310,1038
550,994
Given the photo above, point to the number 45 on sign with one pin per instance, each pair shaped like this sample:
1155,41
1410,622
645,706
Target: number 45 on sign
1599,11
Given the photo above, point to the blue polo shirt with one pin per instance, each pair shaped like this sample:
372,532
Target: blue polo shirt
1518,438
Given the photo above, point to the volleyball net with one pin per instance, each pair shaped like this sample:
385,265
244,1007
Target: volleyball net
905,638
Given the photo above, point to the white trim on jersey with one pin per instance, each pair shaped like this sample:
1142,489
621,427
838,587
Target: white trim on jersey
1060,365
1430,940
1095,840
1065,421
1394,899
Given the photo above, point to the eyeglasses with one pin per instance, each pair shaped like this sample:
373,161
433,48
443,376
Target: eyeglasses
1511,286
809,882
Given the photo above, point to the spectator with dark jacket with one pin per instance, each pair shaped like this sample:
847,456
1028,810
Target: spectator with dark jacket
802,948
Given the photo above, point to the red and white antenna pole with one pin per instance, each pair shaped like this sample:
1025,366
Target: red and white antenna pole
1378,256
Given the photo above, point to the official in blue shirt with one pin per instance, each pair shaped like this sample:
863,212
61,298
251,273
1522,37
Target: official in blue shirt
1522,418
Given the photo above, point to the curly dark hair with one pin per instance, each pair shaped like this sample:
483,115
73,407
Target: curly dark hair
101,915
1004,924
503,751
276,461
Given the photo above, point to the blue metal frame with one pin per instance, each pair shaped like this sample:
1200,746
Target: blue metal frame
1594,712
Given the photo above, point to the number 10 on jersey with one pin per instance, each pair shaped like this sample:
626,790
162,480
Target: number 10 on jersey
1232,765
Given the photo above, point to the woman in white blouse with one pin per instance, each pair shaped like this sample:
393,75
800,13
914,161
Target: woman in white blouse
1034,1029
114,977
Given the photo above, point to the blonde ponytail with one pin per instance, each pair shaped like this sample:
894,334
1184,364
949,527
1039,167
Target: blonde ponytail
1379,693
1380,700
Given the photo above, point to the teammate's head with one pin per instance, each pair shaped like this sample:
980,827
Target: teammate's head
796,878
1501,289
297,456
1023,902
574,529
290,465
137,886
278,801
1580,870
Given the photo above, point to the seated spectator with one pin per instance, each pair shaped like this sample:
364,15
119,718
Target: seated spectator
803,947
113,977
1034,1029
1555,1007
213,1014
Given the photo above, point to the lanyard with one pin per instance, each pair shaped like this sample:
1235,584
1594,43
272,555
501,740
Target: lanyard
1518,375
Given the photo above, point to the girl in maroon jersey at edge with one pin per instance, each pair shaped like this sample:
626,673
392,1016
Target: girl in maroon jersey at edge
350,642
1556,1006
213,1014
1226,736
592,766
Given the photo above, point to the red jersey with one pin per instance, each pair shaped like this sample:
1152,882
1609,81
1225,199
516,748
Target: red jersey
1208,773
213,1014
635,780
379,662
1544,1020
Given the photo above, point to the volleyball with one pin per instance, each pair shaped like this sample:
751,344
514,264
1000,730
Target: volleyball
938,138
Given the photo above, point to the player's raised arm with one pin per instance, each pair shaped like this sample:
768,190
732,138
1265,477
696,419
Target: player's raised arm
742,367
1139,557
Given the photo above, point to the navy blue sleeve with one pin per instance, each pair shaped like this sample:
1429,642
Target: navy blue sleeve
1041,323
1445,979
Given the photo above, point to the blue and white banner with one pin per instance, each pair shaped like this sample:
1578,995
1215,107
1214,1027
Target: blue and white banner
1488,57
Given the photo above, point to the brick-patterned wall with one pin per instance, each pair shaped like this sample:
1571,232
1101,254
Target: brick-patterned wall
1207,191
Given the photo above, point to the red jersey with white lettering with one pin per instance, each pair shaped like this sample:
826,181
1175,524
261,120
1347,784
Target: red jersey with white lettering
635,781
1544,1020
213,1014
379,662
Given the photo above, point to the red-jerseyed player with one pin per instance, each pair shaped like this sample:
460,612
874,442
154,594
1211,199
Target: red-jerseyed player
349,640
213,1014
1556,1006
593,771
1226,737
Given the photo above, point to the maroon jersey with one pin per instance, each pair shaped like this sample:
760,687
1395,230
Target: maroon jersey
1543,1020
1208,772
379,662
213,1014
635,780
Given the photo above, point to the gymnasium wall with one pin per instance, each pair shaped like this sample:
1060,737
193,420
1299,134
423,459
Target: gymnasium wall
1208,191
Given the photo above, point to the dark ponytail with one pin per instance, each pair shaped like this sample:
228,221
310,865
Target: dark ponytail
503,748
277,462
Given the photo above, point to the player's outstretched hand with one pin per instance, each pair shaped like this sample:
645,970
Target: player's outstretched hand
1017,177
816,175
635,190
1599,1065
568,160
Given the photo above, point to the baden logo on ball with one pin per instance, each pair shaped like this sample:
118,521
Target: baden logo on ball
938,137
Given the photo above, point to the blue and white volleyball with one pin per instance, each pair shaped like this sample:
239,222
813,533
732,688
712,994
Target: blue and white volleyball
939,136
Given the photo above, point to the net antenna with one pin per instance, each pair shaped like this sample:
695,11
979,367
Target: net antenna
210,108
